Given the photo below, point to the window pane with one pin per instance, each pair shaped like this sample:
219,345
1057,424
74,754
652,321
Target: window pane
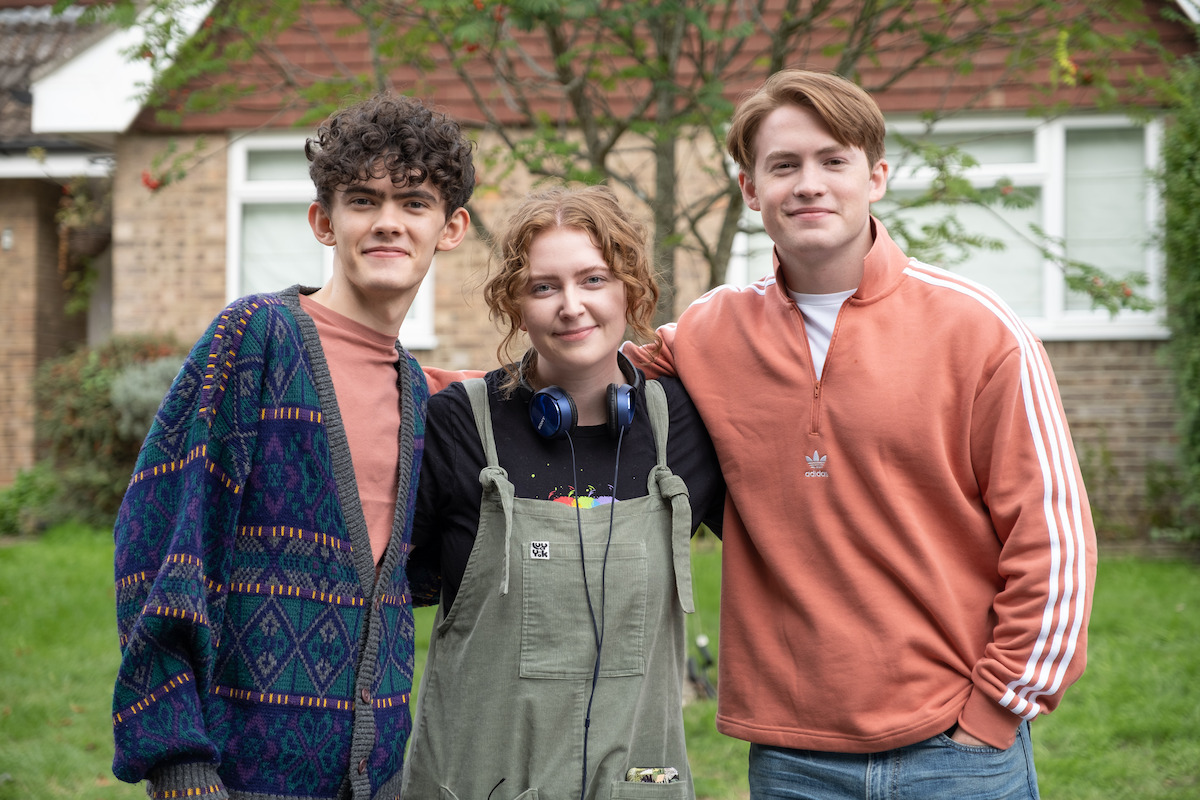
1106,202
1015,272
756,249
278,248
986,148
276,165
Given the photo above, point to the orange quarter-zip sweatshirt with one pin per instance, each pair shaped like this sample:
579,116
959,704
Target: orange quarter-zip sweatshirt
907,542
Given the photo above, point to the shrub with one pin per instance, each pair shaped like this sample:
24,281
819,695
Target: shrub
27,505
137,392
90,435
1181,245
1165,516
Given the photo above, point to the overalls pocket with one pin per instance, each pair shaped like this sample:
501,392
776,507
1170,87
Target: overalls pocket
557,639
627,790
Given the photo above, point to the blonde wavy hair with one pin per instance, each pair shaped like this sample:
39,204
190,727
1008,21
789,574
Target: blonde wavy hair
620,239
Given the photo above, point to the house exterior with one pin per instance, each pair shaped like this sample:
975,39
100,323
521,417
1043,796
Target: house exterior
33,323
236,224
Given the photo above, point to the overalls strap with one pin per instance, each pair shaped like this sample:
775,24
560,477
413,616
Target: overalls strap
672,488
493,477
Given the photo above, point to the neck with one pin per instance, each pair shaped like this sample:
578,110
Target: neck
825,273
816,279
384,316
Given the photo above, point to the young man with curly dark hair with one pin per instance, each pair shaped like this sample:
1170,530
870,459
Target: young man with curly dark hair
263,607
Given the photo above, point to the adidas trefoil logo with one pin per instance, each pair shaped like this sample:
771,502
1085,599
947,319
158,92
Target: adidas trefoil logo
816,466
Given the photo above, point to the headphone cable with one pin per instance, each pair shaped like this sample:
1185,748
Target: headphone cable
597,631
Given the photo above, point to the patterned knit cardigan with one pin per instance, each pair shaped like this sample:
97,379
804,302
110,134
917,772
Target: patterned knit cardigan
260,656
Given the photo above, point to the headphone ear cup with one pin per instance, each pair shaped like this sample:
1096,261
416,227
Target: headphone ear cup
621,403
552,412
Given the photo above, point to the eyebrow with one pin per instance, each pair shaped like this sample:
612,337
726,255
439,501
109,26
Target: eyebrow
599,267
418,193
824,151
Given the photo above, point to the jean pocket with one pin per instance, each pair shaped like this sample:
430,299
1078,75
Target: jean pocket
946,740
557,638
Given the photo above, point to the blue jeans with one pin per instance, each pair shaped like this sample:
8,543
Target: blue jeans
935,768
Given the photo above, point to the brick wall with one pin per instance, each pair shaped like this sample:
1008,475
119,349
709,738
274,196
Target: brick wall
33,325
1120,404
169,245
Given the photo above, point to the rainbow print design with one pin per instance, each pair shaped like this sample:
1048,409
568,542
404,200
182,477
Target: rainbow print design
571,497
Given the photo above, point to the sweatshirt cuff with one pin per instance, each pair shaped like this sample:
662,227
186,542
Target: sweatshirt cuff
986,720
186,780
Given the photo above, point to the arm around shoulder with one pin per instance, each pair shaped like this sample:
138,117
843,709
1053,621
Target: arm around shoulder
655,363
439,378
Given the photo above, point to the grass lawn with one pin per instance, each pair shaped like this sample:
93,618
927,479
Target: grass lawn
1130,729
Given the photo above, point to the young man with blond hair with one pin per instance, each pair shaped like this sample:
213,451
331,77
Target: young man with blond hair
908,548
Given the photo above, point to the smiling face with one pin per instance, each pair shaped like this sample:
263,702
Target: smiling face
384,238
573,310
814,194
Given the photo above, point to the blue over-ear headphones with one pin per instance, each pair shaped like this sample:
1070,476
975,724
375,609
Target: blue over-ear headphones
553,414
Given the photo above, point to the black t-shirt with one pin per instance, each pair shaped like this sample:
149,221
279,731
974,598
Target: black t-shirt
449,494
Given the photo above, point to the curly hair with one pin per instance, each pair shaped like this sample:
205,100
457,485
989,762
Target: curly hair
391,135
621,240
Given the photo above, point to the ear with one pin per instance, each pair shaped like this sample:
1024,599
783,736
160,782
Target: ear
321,224
749,192
455,229
879,176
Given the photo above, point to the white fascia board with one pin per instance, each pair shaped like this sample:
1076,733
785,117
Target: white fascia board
99,90
55,166
1191,8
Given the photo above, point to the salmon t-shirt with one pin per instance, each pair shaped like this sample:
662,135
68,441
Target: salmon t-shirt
362,364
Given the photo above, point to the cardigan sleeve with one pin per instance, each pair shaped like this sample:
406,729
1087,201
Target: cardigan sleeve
173,539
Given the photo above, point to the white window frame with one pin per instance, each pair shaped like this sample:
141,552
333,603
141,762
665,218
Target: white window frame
417,331
1047,173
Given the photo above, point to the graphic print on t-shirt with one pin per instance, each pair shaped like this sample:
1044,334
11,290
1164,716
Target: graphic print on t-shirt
568,496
